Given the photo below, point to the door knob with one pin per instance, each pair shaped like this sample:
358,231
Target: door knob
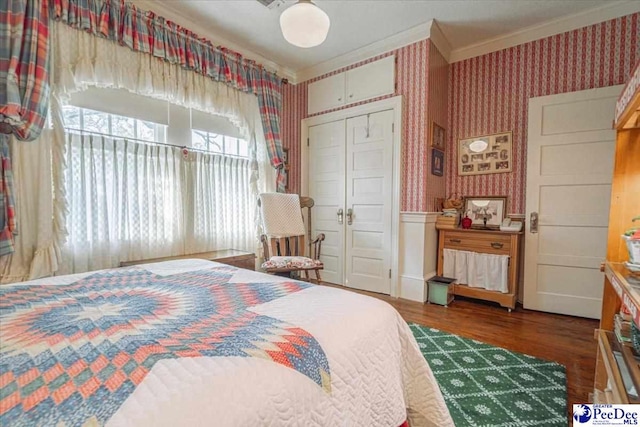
533,223
340,216
349,216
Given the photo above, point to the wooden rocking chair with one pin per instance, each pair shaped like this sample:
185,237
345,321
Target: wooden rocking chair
284,244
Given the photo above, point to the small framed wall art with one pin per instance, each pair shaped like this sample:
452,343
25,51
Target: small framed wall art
437,162
437,136
485,154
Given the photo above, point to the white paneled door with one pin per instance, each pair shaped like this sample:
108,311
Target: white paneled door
326,187
369,196
570,159
351,182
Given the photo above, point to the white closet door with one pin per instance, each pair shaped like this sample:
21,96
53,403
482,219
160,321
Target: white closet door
326,187
369,170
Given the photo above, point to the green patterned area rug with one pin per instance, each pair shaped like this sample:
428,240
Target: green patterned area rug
485,385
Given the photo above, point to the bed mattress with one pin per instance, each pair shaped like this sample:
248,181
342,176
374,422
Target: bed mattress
193,342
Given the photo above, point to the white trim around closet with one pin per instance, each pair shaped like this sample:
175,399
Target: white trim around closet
394,104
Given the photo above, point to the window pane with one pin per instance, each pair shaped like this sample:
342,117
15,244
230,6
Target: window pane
230,145
71,116
123,126
95,121
146,131
244,148
215,143
199,139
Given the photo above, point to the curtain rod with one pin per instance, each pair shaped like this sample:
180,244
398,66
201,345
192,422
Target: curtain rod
144,141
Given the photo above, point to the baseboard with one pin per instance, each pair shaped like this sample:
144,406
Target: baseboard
413,288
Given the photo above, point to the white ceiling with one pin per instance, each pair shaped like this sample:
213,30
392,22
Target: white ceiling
358,23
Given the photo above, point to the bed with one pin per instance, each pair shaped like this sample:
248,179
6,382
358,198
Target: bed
194,342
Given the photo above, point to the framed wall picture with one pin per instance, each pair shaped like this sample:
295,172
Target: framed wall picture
485,212
485,154
437,136
437,162
285,156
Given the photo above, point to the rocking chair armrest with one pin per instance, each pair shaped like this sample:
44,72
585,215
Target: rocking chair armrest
317,246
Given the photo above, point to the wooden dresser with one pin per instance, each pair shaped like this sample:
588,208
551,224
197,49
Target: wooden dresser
490,242
240,259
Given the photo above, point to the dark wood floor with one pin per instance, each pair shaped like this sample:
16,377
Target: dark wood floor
563,339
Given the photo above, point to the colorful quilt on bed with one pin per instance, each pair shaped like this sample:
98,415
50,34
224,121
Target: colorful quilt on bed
73,353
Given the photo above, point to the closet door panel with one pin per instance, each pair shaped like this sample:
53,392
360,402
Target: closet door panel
369,178
327,188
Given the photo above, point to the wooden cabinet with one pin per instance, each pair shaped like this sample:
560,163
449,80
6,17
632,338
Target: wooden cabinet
484,241
358,84
616,367
239,259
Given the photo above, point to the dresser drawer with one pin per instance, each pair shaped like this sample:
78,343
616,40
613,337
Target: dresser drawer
493,243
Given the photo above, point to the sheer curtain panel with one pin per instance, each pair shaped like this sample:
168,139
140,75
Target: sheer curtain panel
223,206
124,202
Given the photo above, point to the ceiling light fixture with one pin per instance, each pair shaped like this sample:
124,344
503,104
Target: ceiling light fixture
304,24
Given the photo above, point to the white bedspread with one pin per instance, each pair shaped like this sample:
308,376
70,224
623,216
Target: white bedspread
378,375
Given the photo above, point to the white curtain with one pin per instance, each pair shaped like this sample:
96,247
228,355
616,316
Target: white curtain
124,202
130,201
37,251
223,208
478,270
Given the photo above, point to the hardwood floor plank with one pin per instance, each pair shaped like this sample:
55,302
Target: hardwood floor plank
563,339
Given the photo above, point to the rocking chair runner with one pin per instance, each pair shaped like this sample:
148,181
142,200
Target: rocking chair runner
284,241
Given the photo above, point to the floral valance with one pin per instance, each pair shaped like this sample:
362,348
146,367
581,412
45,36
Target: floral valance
146,32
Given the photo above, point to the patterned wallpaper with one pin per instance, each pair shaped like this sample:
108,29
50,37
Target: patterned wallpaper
436,112
294,109
490,93
411,79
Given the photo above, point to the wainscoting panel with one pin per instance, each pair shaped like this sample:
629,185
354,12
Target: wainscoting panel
418,253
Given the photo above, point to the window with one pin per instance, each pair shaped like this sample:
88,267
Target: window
79,119
216,143
131,197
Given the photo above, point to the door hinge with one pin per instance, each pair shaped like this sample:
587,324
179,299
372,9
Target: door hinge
307,142
393,127
389,273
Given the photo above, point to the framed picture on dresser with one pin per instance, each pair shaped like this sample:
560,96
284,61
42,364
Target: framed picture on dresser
485,212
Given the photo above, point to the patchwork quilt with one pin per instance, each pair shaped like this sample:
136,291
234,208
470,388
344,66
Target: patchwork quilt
200,343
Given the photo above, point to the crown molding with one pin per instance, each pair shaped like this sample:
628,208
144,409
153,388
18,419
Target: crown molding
174,14
589,17
438,38
404,38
